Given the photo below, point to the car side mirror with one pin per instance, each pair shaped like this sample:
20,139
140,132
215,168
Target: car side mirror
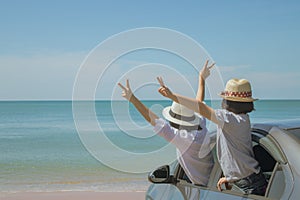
161,175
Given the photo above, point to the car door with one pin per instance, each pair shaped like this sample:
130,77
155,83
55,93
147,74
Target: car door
164,189
187,189
178,187
164,192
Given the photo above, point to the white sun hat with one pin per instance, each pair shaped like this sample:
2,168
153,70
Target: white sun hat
180,115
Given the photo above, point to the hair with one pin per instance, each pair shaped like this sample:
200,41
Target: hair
238,107
187,128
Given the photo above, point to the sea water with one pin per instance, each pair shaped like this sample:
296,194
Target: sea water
40,149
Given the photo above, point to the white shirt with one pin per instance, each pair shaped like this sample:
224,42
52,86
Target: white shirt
234,145
193,150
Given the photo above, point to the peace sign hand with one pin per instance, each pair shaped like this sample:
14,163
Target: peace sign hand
127,93
205,72
163,90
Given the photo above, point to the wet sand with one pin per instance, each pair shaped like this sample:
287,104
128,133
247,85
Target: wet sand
86,195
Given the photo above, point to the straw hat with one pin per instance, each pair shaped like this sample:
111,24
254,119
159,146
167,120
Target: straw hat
180,115
238,90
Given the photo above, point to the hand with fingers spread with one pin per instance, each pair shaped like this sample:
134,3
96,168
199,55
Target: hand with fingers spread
205,72
163,90
127,93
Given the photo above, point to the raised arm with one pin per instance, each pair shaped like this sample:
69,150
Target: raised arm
204,73
145,111
193,104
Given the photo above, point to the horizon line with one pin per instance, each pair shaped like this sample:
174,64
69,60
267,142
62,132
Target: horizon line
16,100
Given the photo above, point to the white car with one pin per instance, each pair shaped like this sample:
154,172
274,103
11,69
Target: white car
276,146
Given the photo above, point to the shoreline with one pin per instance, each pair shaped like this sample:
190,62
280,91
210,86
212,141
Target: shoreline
72,195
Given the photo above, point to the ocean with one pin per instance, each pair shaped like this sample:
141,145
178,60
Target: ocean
41,150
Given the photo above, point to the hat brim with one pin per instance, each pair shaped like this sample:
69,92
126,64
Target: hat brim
238,99
168,117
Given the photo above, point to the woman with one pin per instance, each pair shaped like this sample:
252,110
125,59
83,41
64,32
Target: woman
183,129
234,145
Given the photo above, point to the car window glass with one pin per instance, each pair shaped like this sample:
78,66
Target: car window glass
173,167
276,184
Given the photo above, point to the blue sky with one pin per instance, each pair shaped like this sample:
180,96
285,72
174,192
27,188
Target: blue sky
43,43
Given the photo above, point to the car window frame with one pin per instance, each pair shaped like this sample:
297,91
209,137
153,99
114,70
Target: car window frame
271,145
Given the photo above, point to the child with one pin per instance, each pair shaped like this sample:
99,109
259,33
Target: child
183,129
234,146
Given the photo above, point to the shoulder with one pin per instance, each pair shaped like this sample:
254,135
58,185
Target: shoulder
229,117
223,115
162,126
202,120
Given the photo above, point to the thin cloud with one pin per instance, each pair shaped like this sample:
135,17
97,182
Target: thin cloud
39,76
233,68
52,76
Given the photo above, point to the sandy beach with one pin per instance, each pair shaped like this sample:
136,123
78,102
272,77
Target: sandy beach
69,195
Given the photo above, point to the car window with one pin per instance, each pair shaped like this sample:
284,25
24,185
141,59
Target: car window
272,170
173,167
265,160
276,184
181,176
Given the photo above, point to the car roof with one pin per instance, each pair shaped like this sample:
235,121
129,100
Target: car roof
291,125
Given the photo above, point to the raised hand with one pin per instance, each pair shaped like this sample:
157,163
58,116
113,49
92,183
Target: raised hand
145,111
127,93
163,90
205,72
